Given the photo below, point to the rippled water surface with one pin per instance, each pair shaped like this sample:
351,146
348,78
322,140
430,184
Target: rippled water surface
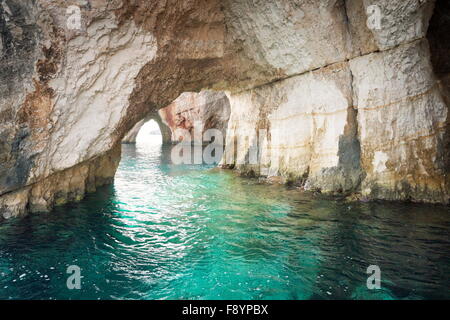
193,232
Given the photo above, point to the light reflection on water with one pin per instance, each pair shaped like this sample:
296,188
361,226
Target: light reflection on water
194,232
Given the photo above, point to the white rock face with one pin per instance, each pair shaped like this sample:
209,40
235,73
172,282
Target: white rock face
284,35
60,129
401,119
381,122
396,22
96,84
298,126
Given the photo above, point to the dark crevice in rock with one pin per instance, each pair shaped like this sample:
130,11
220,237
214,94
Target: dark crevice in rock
349,144
439,38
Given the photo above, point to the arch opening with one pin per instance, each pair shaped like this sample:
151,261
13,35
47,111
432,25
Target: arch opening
153,122
149,134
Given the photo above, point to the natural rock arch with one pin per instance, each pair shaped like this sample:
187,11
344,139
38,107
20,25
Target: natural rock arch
166,134
335,96
206,109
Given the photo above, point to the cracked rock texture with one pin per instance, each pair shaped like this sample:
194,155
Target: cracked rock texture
304,127
352,95
374,123
402,121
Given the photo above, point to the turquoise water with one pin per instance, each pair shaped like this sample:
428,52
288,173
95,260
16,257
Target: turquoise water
194,232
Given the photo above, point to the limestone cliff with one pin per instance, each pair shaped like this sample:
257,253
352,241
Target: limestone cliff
353,94
376,122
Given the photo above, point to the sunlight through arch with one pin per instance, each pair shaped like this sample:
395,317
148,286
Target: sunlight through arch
150,134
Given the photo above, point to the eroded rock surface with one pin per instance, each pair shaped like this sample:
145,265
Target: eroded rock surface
192,114
353,95
375,123
402,121
62,187
304,127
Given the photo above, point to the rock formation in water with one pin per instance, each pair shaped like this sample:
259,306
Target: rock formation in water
188,118
192,114
353,95
166,133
